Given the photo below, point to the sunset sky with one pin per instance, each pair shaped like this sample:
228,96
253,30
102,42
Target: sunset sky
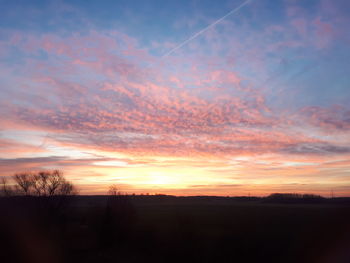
178,97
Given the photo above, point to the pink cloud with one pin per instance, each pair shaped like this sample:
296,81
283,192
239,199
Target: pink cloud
13,147
95,84
331,119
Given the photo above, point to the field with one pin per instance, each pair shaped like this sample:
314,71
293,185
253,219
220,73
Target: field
170,229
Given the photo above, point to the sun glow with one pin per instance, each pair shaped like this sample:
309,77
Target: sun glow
161,179
181,106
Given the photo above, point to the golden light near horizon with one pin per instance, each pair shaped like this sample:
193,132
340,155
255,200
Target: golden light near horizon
181,131
206,99
241,175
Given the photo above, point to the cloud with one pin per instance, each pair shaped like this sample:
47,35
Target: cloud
128,107
241,89
11,146
21,164
317,149
334,118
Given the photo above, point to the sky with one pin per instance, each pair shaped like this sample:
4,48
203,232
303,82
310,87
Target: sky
194,97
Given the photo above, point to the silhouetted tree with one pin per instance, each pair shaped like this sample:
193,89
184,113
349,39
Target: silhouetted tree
118,219
5,189
46,193
113,190
36,214
24,183
43,183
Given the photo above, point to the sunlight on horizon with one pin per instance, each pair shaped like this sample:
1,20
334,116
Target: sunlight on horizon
217,98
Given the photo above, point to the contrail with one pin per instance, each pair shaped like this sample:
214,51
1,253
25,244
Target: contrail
206,28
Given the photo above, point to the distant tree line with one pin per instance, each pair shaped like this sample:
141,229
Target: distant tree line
293,198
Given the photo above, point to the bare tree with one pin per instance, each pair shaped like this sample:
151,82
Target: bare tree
24,183
5,189
113,190
43,183
48,192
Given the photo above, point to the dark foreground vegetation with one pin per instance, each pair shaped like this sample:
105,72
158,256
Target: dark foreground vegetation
63,227
173,229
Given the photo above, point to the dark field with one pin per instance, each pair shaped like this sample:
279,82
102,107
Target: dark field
170,229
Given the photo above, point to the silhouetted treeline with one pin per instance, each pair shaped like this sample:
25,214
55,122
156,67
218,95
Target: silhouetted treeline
285,198
294,198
